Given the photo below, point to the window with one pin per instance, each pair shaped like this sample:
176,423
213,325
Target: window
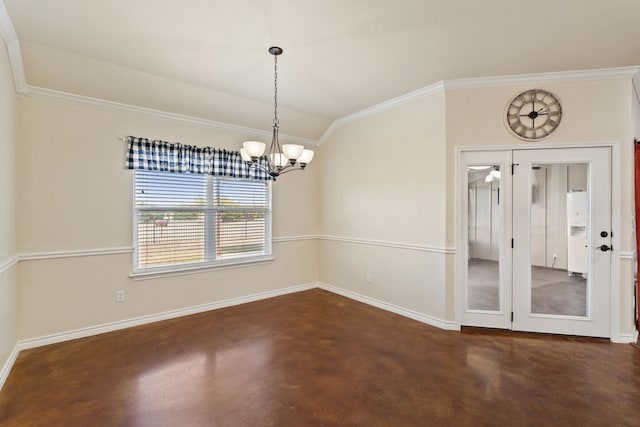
190,221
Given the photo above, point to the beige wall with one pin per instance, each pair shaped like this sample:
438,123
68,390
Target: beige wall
76,195
391,178
381,191
475,118
8,274
382,180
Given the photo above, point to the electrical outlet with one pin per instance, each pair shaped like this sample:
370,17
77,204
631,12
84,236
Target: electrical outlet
555,256
119,296
368,277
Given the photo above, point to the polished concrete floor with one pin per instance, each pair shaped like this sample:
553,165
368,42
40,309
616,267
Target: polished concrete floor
553,291
318,359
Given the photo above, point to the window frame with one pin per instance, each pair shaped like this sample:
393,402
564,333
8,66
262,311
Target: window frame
209,210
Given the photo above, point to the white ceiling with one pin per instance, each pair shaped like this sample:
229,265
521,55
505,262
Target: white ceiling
209,58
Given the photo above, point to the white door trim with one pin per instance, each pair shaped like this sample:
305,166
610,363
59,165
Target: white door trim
616,214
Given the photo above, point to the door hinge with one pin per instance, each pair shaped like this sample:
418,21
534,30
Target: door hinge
512,316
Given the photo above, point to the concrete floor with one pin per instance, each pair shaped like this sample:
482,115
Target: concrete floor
318,359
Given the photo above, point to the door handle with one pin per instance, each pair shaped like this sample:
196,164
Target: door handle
605,248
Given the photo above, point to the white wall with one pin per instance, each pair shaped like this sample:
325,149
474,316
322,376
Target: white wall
382,202
75,195
8,269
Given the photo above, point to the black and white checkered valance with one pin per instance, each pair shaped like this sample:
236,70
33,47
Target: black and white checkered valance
165,156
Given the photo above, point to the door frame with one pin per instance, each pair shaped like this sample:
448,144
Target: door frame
461,232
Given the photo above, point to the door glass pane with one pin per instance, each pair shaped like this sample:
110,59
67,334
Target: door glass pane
485,235
559,231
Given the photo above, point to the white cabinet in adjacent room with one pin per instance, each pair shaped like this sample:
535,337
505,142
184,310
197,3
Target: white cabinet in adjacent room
577,220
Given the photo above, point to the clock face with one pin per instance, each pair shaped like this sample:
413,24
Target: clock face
533,114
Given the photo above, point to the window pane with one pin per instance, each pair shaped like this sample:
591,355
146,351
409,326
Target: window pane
241,194
240,221
240,232
559,230
485,235
185,219
168,238
170,189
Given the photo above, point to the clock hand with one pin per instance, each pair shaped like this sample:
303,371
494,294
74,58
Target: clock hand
542,111
546,113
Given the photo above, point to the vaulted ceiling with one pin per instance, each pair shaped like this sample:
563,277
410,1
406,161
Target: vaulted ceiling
209,59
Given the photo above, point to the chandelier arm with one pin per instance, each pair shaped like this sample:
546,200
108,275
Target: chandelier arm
290,169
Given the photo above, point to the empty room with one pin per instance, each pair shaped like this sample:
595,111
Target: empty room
319,213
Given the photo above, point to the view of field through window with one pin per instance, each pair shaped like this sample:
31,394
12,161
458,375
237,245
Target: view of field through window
184,219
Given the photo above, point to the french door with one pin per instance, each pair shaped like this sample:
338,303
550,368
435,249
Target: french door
538,232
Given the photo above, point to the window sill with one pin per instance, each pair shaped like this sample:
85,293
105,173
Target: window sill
180,271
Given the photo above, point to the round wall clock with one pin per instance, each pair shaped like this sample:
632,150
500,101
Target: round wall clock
533,114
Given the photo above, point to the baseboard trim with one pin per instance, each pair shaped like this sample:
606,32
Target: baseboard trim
432,321
8,365
143,320
625,338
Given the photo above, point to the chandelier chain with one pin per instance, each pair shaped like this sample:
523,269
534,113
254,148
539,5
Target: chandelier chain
275,91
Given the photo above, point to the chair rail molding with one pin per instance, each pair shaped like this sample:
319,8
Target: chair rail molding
8,263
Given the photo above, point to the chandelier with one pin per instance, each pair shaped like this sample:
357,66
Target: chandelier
279,159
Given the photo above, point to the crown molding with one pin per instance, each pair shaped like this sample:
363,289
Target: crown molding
554,77
481,82
636,83
8,33
10,37
383,106
41,92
